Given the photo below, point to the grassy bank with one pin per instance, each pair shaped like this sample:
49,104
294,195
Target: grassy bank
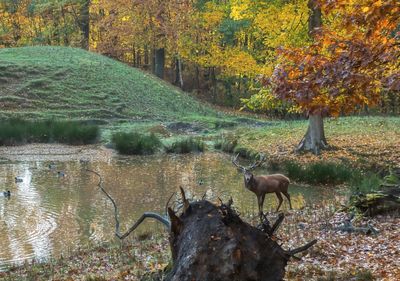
46,82
367,142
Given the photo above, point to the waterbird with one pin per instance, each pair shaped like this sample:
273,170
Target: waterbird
18,179
61,174
7,193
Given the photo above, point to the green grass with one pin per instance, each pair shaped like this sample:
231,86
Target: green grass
319,172
185,145
136,144
16,132
61,82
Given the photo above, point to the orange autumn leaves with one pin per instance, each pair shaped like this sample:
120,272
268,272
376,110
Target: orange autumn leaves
353,59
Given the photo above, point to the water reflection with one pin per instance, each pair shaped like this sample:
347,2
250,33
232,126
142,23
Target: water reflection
48,215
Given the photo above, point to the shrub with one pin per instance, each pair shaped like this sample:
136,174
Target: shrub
15,131
365,182
325,172
74,133
226,145
294,171
186,146
135,143
245,152
319,172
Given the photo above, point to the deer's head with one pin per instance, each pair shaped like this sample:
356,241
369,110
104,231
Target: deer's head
248,175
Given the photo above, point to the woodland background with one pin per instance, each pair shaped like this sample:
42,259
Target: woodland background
215,49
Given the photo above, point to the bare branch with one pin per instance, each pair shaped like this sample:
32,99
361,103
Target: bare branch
277,223
145,215
302,248
167,205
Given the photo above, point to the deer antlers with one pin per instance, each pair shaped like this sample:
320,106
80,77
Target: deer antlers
252,166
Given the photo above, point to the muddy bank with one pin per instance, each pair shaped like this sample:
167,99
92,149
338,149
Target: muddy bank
56,152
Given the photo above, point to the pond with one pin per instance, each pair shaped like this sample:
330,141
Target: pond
48,214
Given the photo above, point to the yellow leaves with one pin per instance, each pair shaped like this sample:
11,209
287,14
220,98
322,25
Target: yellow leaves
213,15
126,18
240,10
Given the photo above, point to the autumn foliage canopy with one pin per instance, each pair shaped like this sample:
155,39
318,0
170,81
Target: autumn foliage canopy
353,59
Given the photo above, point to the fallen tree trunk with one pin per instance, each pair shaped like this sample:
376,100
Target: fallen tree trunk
210,242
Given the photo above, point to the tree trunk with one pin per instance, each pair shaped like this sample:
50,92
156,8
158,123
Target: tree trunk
84,23
178,73
159,63
211,242
315,18
314,140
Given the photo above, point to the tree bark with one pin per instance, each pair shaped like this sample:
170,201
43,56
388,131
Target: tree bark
315,18
84,23
159,63
211,242
178,73
314,140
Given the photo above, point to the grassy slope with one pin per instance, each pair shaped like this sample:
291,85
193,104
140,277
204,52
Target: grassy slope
44,82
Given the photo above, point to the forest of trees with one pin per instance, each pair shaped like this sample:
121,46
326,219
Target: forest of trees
219,49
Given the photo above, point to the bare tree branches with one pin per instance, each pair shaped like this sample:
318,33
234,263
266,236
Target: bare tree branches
302,248
164,220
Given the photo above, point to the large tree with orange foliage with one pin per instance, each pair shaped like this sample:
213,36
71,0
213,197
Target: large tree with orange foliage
353,59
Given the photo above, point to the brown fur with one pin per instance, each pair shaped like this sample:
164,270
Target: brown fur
260,185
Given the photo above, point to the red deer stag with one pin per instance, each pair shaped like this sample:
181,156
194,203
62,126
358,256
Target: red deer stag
260,185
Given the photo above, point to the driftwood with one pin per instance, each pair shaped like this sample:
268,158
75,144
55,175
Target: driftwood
347,226
163,219
210,242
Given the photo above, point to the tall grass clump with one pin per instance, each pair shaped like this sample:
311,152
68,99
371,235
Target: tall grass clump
365,182
226,145
319,172
74,133
185,146
17,132
245,152
135,143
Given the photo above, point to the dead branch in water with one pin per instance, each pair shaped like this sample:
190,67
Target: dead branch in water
164,220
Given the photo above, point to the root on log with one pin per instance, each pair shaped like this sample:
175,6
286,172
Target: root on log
211,242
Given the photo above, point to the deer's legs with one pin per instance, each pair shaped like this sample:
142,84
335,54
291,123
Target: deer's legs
260,206
260,200
278,194
288,197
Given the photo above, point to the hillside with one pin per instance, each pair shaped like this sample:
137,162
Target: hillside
61,82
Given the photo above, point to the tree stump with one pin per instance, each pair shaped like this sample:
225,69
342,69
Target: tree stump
210,242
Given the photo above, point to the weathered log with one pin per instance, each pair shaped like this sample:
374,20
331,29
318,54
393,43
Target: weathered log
210,242
373,203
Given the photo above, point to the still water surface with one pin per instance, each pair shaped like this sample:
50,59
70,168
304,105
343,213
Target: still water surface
48,215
